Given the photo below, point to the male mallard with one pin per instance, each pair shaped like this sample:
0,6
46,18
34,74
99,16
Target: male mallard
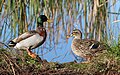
85,48
31,39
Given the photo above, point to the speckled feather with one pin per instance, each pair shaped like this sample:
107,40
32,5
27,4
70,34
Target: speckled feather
85,47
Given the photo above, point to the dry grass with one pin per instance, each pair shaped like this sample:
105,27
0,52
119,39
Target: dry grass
104,64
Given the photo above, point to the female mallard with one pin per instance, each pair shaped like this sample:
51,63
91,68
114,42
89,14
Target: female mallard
31,39
85,48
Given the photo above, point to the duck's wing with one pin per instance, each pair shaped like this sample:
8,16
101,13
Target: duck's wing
30,42
22,37
93,45
88,46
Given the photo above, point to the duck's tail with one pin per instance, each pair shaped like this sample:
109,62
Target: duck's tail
12,43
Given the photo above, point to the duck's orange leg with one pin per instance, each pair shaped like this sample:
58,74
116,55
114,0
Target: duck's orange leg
30,53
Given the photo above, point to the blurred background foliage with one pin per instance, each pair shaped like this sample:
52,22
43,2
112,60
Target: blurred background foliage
97,19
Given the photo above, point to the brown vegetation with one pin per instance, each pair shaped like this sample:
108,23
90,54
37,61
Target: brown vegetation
105,64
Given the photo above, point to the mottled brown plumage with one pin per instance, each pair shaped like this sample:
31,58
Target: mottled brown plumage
85,48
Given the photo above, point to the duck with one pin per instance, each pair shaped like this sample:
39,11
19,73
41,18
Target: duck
31,39
85,48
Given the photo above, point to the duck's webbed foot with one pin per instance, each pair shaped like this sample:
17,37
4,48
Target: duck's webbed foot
31,54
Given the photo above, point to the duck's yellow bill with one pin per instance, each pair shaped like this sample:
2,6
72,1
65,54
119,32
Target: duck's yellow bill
68,36
50,20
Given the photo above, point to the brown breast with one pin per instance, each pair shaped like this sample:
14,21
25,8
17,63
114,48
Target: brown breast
41,31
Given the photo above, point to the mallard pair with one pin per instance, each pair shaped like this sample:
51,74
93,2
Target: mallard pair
31,39
85,48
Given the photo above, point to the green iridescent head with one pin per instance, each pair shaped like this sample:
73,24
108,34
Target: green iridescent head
41,19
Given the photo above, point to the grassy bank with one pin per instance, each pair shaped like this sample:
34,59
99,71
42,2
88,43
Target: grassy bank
107,63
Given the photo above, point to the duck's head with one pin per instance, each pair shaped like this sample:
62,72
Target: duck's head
76,33
41,19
